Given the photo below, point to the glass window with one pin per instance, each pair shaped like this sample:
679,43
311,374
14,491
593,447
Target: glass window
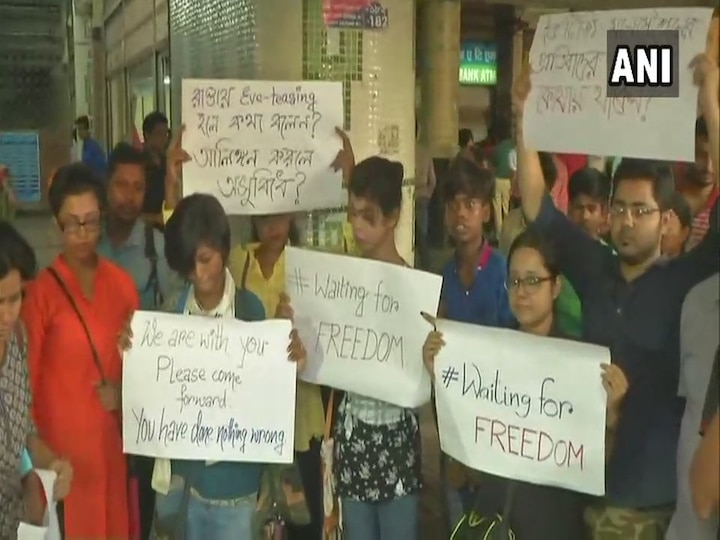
141,94
163,84
116,108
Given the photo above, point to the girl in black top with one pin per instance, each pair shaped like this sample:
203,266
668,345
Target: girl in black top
537,512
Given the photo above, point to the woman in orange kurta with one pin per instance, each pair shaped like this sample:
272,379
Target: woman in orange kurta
76,402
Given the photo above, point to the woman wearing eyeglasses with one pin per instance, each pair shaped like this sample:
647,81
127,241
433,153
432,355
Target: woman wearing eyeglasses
537,512
74,311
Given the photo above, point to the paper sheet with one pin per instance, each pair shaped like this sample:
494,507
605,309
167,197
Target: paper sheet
51,527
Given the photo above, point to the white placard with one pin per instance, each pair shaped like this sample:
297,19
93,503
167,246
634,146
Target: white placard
522,406
360,322
263,147
214,389
50,529
568,111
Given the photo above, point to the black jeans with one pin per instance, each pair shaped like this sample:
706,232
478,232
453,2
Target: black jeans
142,469
310,471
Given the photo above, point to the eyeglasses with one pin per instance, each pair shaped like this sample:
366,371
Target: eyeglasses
529,284
89,225
635,212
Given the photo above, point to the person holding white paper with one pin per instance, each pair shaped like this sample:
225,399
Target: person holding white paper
220,498
17,431
376,444
537,512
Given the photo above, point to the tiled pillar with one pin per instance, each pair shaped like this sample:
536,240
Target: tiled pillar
439,37
277,39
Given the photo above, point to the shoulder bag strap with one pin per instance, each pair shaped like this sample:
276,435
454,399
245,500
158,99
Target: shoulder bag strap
246,268
153,282
76,309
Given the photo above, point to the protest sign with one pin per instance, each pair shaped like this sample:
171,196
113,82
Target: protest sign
360,322
214,389
263,147
522,406
568,109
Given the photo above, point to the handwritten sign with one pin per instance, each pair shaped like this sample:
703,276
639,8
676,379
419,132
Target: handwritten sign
360,321
568,109
263,147
522,406
209,389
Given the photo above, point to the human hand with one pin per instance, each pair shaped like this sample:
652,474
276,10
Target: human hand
284,310
175,157
705,76
296,351
109,394
521,89
345,159
615,384
63,482
125,337
433,343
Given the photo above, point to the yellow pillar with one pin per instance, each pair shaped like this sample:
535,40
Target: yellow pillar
439,37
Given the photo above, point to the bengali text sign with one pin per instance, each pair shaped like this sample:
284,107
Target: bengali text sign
522,406
209,388
568,109
263,147
360,321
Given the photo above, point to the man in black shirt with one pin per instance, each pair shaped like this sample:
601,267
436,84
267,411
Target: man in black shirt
155,135
632,304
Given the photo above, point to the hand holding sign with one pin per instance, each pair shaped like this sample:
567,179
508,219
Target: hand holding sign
521,89
705,76
345,159
175,158
616,386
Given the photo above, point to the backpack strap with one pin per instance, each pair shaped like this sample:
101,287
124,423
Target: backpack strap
153,282
182,299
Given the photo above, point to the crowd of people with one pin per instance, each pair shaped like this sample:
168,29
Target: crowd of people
628,264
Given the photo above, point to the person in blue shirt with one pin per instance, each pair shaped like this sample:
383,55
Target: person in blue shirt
139,249
126,239
93,154
221,497
473,289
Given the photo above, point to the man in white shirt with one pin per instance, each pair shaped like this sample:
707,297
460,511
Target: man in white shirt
699,342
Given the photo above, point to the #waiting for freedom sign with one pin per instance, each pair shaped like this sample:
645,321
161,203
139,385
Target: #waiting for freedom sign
521,406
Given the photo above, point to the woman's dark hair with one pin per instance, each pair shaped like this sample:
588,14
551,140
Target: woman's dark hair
293,233
591,183
16,253
466,177
658,173
198,220
378,180
681,209
465,136
549,170
533,238
74,179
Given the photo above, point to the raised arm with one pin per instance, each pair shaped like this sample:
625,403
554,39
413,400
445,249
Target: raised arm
580,256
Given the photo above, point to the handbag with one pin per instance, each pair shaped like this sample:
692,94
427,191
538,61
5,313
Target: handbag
133,486
332,529
476,526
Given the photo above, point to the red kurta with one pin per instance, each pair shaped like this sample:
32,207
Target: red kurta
66,407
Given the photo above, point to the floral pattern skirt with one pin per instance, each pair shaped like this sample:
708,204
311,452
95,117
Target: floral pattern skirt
375,463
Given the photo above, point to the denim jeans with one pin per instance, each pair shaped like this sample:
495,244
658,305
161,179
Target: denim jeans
206,520
389,520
